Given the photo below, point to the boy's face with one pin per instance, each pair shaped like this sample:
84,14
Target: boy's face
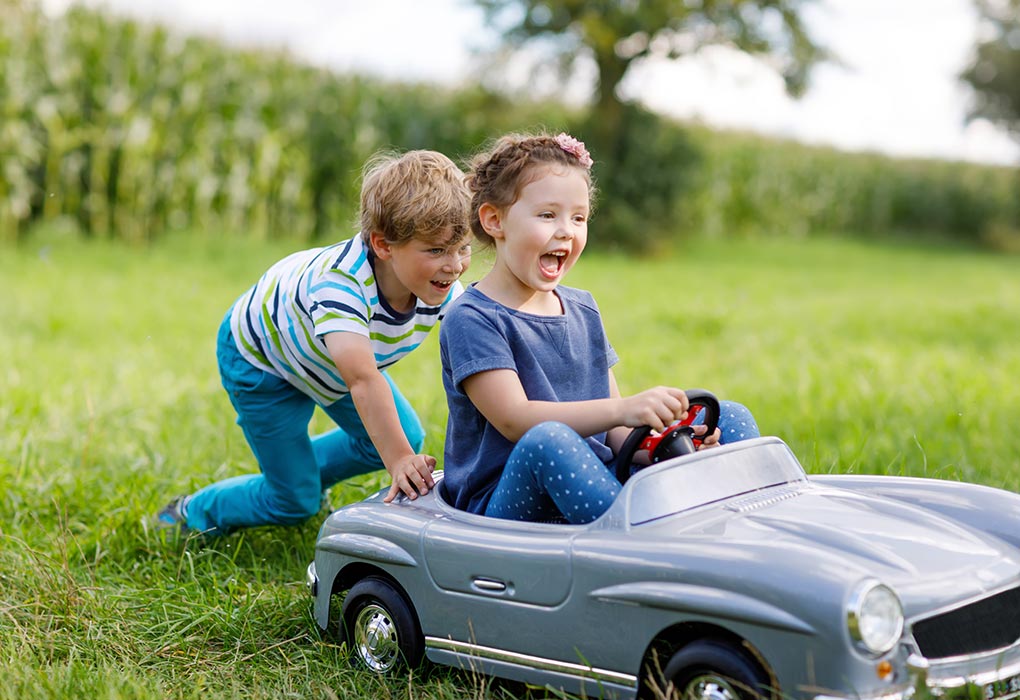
427,268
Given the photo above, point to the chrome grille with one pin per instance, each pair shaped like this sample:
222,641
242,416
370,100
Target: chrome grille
984,625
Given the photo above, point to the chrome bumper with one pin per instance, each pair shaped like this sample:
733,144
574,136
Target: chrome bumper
312,580
994,676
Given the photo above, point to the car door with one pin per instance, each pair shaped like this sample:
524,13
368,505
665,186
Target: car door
501,585
525,563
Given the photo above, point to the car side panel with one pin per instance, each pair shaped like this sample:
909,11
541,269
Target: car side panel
628,593
528,566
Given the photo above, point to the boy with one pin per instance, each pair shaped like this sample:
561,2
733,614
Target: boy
320,328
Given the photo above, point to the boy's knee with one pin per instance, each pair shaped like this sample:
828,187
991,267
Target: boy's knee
296,507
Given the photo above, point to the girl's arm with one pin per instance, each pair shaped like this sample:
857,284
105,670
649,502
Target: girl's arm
616,435
499,396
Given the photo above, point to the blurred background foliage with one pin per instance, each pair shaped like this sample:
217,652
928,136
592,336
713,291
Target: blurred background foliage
111,128
994,71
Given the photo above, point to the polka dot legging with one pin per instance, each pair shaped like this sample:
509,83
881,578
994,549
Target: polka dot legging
736,422
552,472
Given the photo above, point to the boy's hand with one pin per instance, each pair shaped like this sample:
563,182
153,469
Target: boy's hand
412,476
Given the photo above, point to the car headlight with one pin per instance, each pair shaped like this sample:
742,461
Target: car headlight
874,617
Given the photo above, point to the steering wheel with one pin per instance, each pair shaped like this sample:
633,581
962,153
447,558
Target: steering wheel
678,439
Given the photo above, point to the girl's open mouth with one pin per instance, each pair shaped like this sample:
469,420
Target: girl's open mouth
552,263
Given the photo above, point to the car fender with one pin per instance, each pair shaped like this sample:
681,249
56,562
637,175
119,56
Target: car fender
335,551
367,548
704,601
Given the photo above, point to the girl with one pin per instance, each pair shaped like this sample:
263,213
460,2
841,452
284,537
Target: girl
535,412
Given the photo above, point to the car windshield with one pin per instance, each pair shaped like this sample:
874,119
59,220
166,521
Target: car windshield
709,478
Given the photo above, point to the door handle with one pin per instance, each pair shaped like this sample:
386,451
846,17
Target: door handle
489,585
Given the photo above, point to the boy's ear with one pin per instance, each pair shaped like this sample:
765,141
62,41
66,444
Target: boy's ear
491,219
382,248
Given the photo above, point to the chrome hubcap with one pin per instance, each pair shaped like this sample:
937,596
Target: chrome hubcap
709,687
375,638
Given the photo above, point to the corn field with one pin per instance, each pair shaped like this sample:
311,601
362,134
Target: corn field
128,130
118,129
131,129
753,184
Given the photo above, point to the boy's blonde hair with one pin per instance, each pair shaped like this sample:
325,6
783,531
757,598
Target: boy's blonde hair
417,195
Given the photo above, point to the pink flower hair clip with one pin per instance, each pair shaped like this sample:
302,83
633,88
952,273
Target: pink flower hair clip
575,148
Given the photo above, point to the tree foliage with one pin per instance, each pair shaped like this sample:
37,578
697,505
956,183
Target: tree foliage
616,33
994,72
613,35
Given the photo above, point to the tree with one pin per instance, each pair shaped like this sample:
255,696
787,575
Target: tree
994,72
616,33
644,164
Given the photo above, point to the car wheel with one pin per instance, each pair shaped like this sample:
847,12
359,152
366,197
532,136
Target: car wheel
380,626
715,670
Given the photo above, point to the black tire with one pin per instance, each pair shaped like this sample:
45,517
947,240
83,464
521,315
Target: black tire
712,669
380,627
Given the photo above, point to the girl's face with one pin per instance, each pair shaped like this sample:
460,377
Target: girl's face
541,235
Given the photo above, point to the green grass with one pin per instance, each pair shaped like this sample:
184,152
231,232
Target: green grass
863,357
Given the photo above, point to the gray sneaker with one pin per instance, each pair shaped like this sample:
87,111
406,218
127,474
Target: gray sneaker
173,515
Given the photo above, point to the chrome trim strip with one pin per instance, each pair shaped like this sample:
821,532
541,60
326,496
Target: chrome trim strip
765,497
960,677
535,662
886,696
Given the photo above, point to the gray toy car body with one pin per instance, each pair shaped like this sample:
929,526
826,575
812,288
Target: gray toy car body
729,573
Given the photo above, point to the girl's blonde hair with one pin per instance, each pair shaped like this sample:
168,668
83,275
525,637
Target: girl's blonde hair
498,175
417,195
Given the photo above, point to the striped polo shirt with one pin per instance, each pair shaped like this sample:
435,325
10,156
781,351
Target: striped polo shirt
280,322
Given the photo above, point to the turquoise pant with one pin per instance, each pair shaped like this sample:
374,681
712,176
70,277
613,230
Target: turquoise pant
294,467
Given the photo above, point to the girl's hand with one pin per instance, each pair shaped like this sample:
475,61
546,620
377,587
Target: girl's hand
707,441
412,476
657,407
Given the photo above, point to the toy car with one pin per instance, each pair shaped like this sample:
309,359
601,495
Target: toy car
724,574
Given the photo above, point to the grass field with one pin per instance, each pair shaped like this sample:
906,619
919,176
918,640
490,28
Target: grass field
863,357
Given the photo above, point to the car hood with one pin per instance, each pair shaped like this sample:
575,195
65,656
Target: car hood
837,534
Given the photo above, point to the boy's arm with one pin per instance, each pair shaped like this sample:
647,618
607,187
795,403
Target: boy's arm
353,357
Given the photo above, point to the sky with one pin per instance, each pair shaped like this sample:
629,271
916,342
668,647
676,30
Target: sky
895,92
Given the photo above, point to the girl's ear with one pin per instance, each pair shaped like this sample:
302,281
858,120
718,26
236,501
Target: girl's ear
491,219
382,248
